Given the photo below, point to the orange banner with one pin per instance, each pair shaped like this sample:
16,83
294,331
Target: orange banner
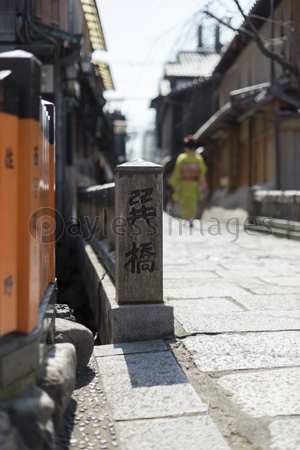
8,221
28,239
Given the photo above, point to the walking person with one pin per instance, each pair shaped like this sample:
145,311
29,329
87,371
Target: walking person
188,179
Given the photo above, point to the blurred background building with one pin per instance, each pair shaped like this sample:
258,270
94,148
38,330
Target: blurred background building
241,103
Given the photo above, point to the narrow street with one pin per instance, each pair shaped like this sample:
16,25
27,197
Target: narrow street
237,310
236,307
116,331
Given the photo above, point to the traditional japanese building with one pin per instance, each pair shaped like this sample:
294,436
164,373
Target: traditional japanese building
187,83
63,35
253,138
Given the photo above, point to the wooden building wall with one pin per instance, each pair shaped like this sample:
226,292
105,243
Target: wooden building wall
231,158
290,154
53,12
76,17
213,162
229,161
263,167
243,152
252,67
184,113
67,15
296,35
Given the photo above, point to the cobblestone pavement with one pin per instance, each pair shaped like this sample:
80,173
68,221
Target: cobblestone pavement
236,300
87,422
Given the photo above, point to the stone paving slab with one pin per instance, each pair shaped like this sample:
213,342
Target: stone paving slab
267,393
245,351
195,290
197,265
242,280
185,259
147,385
217,253
284,270
283,281
264,241
203,306
188,236
285,434
288,249
268,289
275,302
252,265
178,283
237,321
192,275
190,433
152,402
245,272
134,347
142,370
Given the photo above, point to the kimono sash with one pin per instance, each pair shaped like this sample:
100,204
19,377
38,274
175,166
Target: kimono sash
190,172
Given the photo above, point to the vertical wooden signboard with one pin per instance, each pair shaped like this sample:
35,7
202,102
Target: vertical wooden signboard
26,72
41,205
51,189
8,201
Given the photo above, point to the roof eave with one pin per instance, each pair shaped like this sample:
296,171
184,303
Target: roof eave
93,21
232,112
217,118
104,71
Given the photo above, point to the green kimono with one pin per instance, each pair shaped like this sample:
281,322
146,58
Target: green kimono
187,178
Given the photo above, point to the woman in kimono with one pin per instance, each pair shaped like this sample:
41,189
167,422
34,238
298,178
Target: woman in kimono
188,179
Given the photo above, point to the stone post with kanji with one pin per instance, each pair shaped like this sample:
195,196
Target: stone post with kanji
138,229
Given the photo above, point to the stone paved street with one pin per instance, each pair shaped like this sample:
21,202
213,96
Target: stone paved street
230,379
237,310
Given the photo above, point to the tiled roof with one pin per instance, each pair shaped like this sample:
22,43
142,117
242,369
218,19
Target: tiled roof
94,25
192,64
115,105
102,69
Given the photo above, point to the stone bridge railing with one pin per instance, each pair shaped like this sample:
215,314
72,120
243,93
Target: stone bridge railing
96,211
276,212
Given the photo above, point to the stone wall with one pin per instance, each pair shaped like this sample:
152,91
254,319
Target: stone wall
32,420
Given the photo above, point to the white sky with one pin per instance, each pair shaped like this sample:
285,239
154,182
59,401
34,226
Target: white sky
141,35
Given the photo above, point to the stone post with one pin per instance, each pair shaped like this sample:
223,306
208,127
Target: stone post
138,229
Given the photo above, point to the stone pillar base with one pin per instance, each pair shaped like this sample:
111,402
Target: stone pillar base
132,323
121,323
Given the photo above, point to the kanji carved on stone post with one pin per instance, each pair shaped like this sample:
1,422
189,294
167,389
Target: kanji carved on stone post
139,248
